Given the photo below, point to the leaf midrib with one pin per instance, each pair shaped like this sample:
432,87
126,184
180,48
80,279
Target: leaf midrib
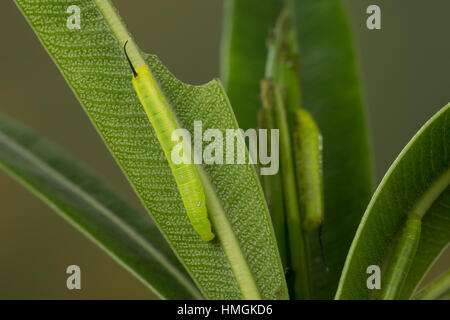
432,193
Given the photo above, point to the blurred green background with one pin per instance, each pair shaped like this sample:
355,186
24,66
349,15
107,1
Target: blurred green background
404,70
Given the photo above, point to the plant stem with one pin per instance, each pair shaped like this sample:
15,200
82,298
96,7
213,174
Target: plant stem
299,252
272,185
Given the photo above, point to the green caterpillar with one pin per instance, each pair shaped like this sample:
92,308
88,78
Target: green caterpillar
308,160
164,124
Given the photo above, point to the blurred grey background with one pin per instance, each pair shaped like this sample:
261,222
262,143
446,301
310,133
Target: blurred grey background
404,70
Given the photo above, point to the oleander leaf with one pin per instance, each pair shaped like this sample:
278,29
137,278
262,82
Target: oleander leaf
247,25
92,61
418,178
129,236
331,92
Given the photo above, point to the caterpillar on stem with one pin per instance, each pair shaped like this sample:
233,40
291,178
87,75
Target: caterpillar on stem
308,160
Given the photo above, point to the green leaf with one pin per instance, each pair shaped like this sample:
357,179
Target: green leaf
126,234
331,93
418,179
244,256
247,25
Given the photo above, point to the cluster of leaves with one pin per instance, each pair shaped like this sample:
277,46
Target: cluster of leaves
163,250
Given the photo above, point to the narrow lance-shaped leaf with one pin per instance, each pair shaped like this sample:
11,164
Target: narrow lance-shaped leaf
302,178
129,236
331,93
247,25
92,61
282,70
418,181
